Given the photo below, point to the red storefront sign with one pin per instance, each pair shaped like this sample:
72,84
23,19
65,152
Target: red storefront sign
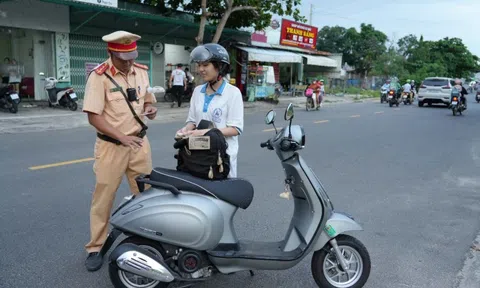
298,35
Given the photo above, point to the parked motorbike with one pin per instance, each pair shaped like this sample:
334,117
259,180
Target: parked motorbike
64,97
187,95
383,95
392,98
407,98
9,99
180,230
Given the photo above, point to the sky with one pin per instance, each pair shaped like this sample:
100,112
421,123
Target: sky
434,19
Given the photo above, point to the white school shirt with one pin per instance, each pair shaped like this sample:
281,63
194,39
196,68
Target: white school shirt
178,77
225,109
407,88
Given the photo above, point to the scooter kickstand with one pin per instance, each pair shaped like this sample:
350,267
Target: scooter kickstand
251,273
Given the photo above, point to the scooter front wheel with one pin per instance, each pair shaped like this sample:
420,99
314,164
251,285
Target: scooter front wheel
328,272
123,279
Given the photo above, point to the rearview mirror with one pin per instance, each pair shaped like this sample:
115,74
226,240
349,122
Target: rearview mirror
289,112
270,118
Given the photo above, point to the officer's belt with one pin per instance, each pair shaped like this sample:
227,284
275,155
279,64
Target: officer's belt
110,139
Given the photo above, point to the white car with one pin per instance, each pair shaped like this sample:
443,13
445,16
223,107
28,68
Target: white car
435,90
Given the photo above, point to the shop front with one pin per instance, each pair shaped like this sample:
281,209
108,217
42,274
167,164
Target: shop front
166,41
28,44
259,71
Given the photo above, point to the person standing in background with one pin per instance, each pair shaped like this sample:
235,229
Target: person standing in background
179,81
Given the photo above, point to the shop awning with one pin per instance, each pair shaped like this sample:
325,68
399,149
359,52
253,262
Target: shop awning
320,61
273,56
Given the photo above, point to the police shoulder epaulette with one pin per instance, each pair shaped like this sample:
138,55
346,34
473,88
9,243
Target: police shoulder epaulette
145,67
100,69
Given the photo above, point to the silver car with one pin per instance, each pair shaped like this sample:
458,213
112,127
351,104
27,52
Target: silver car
435,90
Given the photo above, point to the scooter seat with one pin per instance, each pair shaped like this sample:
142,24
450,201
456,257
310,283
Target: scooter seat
236,191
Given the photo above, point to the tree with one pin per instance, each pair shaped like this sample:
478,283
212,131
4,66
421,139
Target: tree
338,40
407,45
369,46
232,14
390,64
359,49
236,14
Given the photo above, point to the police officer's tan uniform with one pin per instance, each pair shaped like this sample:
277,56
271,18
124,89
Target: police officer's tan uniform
112,161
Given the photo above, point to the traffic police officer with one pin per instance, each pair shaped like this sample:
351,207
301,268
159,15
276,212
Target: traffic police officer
121,146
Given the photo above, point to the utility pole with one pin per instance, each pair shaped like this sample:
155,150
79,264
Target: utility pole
311,13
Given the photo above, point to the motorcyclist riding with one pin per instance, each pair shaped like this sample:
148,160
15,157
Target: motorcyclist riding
315,86
322,93
462,90
407,88
386,86
412,84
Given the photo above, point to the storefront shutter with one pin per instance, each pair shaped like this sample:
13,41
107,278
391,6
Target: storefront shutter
91,49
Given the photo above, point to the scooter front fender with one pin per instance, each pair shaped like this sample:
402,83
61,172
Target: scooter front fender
336,225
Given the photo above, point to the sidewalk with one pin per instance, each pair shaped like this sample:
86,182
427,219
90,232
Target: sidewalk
469,276
37,116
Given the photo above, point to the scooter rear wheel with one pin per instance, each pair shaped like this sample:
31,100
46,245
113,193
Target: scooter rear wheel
73,106
327,271
122,279
14,108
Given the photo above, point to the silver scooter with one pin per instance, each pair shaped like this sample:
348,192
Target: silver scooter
180,231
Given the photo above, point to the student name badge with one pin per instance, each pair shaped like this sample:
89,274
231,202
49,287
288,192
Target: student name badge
199,143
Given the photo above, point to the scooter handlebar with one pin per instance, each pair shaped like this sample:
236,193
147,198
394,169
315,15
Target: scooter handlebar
265,144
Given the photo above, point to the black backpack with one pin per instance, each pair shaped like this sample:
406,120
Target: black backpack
204,156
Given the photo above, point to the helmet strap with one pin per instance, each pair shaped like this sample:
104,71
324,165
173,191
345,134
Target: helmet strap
213,82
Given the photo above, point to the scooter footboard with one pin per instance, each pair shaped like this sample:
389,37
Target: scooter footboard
337,224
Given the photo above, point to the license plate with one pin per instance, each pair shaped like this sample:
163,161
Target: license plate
390,97
14,96
73,95
404,97
454,102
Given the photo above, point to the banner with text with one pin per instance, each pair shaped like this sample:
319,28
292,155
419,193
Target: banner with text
298,35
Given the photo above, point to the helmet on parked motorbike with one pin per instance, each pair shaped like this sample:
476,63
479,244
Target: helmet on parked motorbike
215,54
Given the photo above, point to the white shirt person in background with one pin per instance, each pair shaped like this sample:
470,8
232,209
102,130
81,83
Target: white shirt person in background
179,80
217,101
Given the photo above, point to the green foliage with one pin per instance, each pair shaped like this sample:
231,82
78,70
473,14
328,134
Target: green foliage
414,58
359,49
258,18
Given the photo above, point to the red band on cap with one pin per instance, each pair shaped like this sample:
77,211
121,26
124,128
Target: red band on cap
122,47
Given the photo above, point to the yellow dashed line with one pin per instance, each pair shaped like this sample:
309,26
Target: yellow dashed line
61,164
272,129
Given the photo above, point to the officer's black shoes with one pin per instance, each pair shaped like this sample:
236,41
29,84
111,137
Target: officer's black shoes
94,261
